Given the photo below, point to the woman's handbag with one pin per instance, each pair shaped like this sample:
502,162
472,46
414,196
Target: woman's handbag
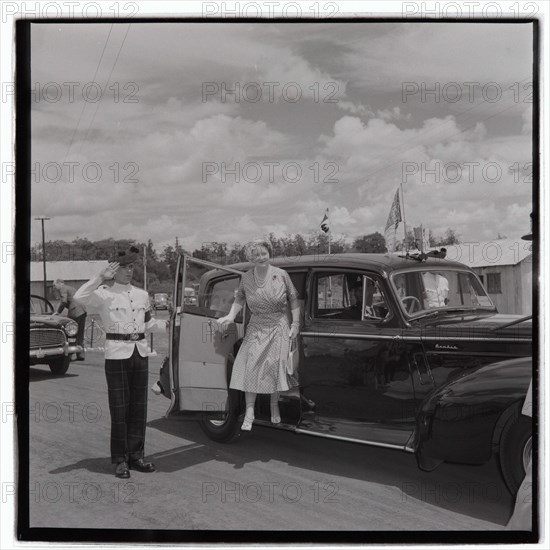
292,360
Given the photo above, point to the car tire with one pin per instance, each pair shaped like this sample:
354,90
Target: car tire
60,365
224,428
515,450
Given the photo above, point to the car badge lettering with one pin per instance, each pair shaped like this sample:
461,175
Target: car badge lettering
439,346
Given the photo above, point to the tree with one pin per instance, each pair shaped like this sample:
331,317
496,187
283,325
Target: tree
236,254
372,243
451,237
170,258
151,253
276,244
317,243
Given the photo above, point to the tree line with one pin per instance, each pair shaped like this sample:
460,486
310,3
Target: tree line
161,266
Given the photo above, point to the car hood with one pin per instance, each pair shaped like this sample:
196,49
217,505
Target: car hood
492,325
50,321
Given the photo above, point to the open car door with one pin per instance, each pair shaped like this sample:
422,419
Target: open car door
200,350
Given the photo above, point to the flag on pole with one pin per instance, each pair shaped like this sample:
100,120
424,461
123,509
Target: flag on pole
393,221
325,224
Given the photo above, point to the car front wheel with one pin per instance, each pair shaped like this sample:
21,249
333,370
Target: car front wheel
225,425
515,450
60,365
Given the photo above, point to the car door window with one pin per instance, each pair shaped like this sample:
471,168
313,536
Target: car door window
349,296
215,290
221,294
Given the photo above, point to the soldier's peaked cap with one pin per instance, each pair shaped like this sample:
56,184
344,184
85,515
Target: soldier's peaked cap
128,256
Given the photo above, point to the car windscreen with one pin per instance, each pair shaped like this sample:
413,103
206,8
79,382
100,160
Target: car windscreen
39,306
421,291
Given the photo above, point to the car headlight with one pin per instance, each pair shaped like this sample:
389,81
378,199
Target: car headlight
71,328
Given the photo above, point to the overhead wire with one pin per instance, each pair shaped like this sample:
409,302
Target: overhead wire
105,88
85,102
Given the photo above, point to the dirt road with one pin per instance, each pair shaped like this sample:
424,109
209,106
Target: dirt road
267,480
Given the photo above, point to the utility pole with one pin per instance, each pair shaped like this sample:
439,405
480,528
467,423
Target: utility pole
42,219
144,267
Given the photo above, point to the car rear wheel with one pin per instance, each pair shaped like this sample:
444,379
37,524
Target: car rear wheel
515,450
60,365
225,425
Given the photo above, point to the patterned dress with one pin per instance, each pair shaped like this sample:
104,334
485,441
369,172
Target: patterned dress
260,365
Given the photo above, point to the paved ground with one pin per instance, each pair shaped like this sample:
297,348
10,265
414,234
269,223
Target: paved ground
267,480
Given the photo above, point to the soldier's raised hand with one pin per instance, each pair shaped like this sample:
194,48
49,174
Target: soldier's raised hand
109,271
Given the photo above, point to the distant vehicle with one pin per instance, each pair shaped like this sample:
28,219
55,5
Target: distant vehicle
160,301
189,296
52,337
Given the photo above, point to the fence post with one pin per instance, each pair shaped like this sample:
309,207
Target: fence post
92,336
151,341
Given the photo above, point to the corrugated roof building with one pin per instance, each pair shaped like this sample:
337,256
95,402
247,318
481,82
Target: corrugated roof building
505,268
74,273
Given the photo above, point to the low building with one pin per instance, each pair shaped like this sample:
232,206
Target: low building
73,273
505,268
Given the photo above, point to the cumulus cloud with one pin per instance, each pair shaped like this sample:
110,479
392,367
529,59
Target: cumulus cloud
450,177
220,167
392,114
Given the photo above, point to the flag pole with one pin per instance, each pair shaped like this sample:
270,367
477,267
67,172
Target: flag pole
144,267
329,233
404,217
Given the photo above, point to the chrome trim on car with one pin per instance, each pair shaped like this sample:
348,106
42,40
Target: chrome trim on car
42,337
353,440
473,339
396,337
425,339
39,352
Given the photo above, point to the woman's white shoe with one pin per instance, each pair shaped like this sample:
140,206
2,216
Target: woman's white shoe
247,424
275,414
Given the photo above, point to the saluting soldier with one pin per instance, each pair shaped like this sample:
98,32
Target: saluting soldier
126,314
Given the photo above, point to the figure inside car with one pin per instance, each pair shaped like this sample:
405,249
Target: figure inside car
436,289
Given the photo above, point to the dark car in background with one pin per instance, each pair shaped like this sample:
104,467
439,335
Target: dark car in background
393,352
52,337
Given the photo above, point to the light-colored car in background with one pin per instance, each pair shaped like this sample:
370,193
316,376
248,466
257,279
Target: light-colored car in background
52,337
160,300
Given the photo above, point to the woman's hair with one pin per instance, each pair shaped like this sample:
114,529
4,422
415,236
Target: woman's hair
253,245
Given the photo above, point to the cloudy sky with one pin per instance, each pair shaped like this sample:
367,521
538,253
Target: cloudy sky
325,116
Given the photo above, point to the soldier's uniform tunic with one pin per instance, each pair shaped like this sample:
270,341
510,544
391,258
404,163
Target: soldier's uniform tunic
125,312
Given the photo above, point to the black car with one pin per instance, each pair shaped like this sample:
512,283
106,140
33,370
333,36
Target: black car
52,337
418,359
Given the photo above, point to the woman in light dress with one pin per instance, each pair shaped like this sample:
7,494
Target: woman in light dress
260,365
